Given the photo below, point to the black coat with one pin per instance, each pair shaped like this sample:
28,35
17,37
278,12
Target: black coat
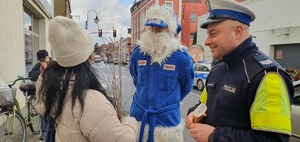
35,72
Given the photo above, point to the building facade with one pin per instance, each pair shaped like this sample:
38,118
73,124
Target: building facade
125,49
62,8
138,11
191,9
24,32
276,32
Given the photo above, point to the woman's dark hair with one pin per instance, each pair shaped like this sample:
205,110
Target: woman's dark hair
56,80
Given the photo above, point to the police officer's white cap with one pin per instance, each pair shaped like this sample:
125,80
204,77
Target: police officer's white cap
221,10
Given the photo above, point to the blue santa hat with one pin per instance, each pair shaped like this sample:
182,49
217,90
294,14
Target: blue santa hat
156,22
161,16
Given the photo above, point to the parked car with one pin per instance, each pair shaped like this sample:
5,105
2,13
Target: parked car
201,71
116,61
110,60
296,113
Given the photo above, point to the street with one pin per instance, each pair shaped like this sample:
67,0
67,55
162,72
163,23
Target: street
109,73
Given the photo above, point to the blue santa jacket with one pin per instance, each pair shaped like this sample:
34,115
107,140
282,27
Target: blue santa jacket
160,88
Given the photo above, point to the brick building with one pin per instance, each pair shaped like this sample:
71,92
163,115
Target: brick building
191,9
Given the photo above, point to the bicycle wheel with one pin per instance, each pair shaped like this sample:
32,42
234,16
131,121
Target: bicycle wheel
33,117
10,131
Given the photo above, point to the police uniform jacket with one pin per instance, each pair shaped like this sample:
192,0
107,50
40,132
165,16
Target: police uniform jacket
242,103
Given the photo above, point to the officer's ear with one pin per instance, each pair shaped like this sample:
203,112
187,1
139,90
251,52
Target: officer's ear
239,30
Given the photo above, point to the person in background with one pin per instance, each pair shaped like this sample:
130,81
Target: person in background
69,92
248,95
44,61
163,74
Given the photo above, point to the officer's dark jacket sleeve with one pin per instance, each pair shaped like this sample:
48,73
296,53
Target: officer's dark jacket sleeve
35,72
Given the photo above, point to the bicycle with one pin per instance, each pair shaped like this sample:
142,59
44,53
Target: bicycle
12,130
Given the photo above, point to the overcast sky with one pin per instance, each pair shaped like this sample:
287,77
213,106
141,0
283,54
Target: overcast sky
111,13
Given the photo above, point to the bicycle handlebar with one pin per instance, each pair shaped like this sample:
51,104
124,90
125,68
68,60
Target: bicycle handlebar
20,77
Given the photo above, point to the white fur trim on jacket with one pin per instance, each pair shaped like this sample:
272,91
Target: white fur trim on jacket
165,134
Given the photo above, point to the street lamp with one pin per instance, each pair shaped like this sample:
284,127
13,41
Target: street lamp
96,20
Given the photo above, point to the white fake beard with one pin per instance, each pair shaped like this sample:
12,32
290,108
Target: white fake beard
159,46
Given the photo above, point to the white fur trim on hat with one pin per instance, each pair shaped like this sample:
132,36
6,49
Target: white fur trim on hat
71,44
165,14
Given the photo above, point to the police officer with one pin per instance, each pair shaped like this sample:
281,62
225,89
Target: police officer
247,94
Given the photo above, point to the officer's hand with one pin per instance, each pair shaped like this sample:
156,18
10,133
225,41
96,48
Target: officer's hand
200,132
189,120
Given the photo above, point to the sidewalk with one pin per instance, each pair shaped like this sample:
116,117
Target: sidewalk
31,137
17,135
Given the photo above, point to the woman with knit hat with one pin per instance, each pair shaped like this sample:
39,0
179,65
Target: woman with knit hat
69,92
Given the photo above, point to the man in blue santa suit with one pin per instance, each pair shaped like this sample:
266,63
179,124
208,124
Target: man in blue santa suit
163,74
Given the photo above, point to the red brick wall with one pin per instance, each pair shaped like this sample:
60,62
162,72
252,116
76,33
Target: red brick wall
188,26
199,8
175,5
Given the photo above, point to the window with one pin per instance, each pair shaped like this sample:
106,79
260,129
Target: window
192,36
132,24
205,69
142,21
201,68
31,34
169,4
193,17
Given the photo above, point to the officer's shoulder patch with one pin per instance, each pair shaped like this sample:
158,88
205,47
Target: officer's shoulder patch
264,61
267,63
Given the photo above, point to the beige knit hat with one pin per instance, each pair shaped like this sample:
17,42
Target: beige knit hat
71,44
